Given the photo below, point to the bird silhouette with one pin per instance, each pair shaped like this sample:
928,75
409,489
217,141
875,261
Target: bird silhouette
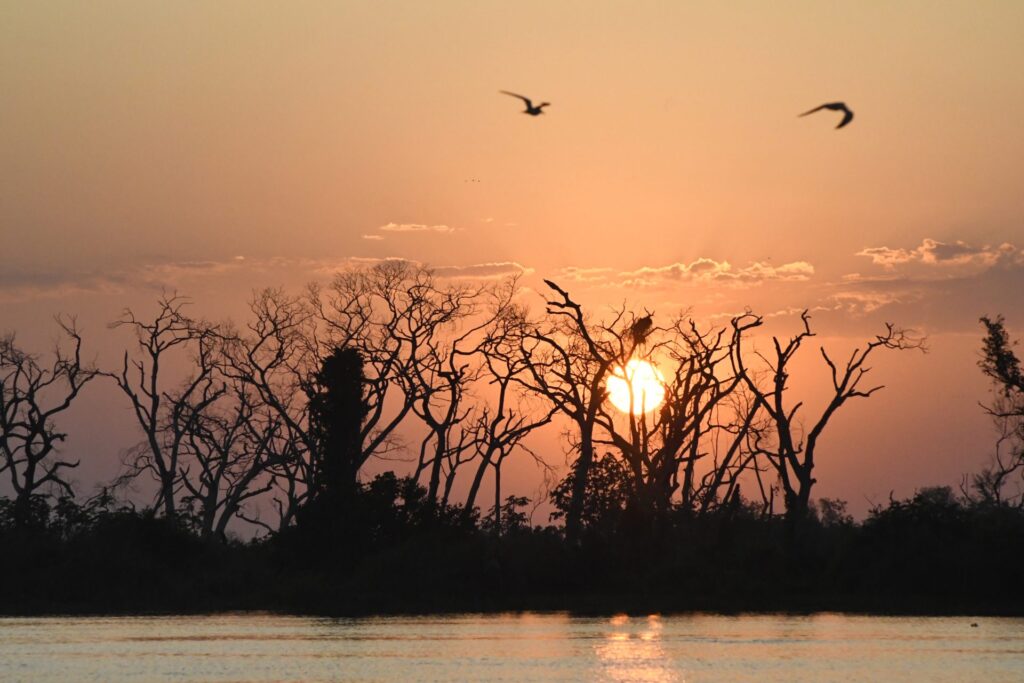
531,109
834,106
641,328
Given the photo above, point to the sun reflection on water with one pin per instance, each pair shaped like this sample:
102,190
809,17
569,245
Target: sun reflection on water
632,651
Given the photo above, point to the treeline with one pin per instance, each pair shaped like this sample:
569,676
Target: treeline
707,497
935,553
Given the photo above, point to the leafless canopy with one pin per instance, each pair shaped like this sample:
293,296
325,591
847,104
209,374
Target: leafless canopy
33,394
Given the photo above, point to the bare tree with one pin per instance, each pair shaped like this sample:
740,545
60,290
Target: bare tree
386,312
440,337
32,396
733,455
499,427
229,450
163,417
422,341
273,361
791,449
567,363
697,419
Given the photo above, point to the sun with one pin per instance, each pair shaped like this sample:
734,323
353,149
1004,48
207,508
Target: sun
640,387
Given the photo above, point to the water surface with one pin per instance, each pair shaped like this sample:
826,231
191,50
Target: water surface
512,647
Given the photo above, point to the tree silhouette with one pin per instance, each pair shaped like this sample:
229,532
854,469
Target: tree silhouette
163,416
790,450
567,360
565,363
337,412
999,361
1001,365
284,413
32,396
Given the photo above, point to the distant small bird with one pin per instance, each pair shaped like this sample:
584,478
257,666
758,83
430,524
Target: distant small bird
641,328
530,108
834,106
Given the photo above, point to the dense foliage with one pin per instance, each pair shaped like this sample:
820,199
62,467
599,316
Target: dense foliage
932,553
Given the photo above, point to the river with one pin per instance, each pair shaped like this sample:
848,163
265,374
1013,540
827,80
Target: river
512,647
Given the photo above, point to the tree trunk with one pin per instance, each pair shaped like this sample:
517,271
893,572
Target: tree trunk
574,516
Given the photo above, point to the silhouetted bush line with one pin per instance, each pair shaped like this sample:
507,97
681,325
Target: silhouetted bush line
933,553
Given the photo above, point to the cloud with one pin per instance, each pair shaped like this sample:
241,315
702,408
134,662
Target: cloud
944,254
867,301
415,227
577,274
373,237
722,272
21,285
483,270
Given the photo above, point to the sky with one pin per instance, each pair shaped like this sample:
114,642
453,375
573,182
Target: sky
219,147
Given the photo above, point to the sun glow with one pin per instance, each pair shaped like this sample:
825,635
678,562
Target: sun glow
639,387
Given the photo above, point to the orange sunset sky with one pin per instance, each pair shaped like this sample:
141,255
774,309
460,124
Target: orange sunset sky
216,147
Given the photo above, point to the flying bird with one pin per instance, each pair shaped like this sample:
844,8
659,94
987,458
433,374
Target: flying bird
834,106
531,109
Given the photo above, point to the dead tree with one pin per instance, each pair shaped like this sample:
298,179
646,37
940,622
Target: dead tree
439,372
229,450
791,450
567,364
500,426
387,313
733,455
421,340
664,449
288,476
32,397
274,359
163,416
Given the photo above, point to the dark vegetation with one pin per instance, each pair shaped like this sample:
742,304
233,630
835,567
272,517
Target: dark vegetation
703,503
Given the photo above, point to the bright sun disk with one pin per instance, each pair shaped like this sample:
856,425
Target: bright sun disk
640,387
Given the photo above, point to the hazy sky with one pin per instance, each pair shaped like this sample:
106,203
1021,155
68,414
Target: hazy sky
218,147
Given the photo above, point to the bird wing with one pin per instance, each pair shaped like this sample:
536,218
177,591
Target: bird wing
811,111
529,104
847,117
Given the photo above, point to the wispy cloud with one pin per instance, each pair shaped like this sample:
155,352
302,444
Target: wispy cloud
944,254
867,301
20,285
375,238
697,271
415,227
23,285
577,274
496,269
